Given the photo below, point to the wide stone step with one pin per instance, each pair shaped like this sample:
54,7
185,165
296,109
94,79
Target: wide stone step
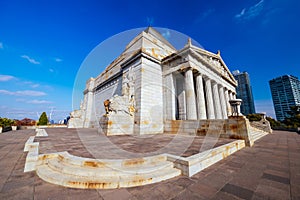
110,182
106,171
114,163
257,135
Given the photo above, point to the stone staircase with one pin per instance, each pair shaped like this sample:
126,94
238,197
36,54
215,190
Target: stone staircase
195,127
77,172
256,134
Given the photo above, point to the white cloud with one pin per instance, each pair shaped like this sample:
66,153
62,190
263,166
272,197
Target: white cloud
23,93
31,60
51,70
39,102
58,59
251,12
6,77
1,45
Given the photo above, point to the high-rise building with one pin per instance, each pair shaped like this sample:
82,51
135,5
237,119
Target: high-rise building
244,92
285,93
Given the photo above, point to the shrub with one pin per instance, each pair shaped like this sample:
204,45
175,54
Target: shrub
254,117
5,122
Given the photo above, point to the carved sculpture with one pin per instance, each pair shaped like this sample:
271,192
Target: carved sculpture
107,106
123,104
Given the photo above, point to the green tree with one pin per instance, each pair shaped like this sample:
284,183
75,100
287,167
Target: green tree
293,121
43,119
254,117
274,124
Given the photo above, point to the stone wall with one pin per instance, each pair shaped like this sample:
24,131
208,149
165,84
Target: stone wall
263,125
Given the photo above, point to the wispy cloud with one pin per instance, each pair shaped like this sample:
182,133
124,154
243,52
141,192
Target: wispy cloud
6,77
39,102
31,60
51,70
204,15
31,84
251,12
23,93
35,85
58,59
1,45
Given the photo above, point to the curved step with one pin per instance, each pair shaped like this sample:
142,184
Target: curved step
75,181
68,168
99,163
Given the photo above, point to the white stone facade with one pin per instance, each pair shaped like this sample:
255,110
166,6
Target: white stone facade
156,83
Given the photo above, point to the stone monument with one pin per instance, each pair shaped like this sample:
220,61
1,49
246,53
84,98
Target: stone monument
152,83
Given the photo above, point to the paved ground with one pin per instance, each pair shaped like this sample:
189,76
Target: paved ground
90,143
268,170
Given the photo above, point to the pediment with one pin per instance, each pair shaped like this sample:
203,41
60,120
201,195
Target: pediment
215,62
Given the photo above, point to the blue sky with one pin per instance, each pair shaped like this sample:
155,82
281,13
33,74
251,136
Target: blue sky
44,43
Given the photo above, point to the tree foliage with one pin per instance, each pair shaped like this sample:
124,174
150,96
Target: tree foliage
254,117
5,122
43,120
274,124
293,121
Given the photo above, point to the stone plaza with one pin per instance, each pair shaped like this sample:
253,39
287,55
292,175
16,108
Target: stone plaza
267,170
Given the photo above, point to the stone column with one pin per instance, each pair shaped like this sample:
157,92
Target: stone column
190,95
169,90
90,118
223,102
218,111
201,108
209,100
227,102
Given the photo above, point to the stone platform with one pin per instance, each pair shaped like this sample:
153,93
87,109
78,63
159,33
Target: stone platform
148,159
90,143
268,170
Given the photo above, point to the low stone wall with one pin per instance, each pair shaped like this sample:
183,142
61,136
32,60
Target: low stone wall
46,126
196,163
263,125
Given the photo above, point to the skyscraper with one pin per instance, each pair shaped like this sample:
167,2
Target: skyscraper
285,93
244,92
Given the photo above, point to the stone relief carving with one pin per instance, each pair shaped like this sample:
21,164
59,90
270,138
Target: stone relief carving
128,83
124,104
